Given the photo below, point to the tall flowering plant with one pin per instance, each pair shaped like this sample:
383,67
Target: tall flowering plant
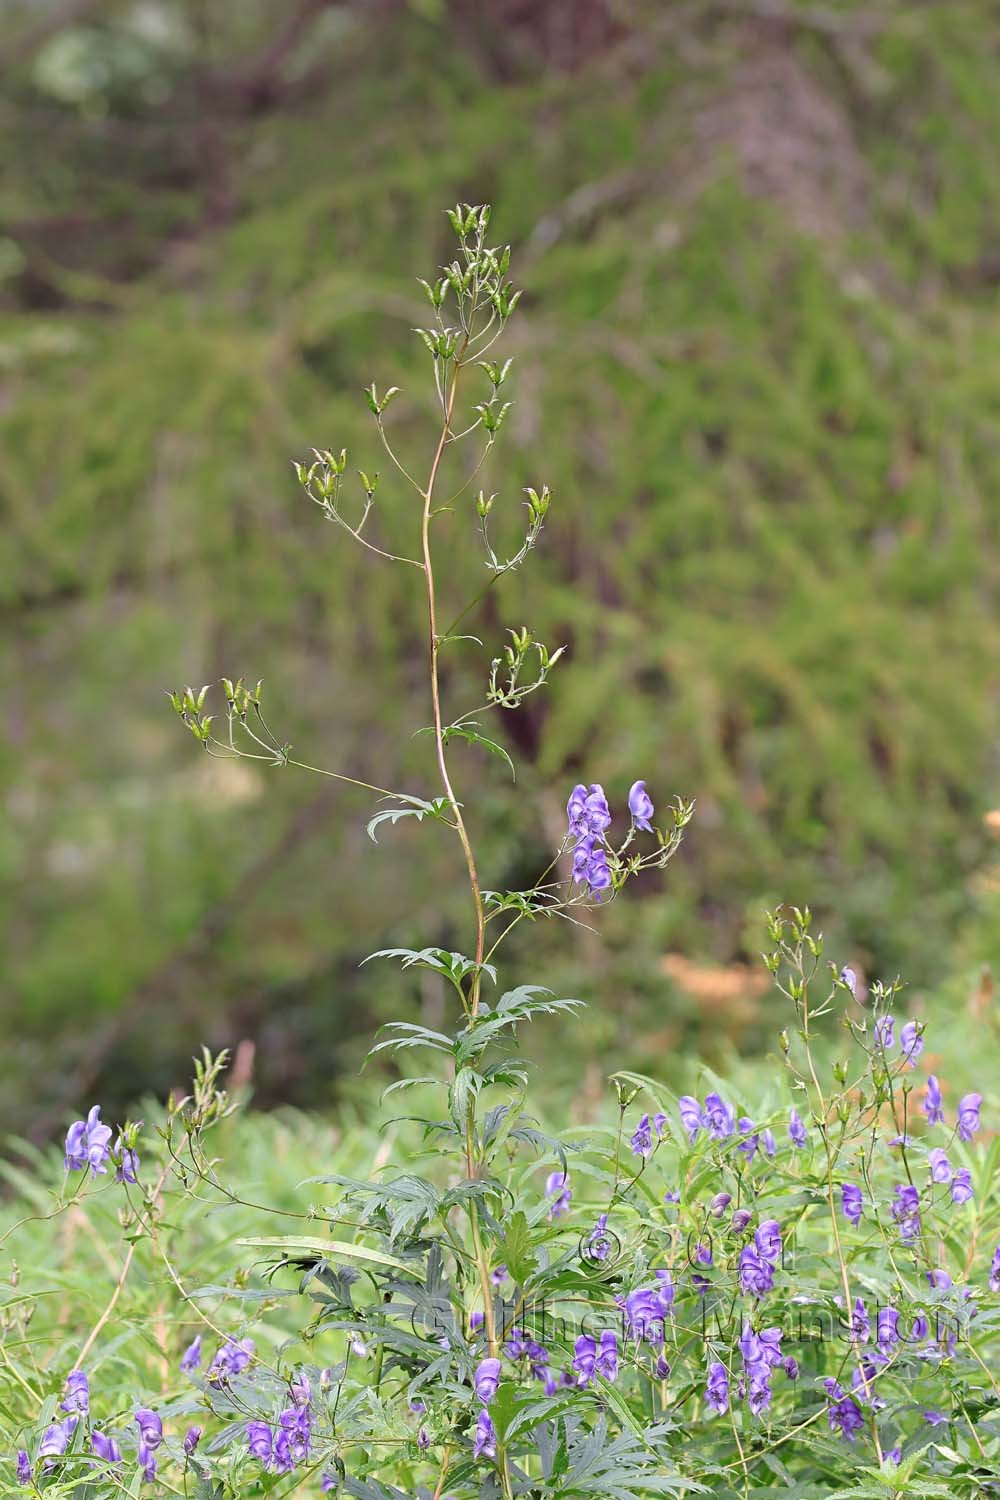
798,1297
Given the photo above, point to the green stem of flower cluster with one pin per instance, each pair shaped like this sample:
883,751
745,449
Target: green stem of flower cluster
822,1113
472,1002
434,643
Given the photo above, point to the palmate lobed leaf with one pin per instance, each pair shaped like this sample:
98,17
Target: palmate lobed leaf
514,1006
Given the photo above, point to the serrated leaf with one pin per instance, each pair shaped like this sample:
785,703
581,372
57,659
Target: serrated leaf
516,1248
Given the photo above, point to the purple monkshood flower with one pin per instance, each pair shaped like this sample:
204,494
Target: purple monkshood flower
576,812
598,873
589,817
768,1240
606,1363
995,1271
796,1129
517,1344
423,1439
911,1042
584,1358
282,1461
719,1118
939,1164
918,1328
860,1323
88,1144
848,979
887,1329
23,1467
647,1308
885,1032
558,1189
906,1210
968,1116
293,1441
590,866
717,1389
644,1314
844,1413
691,1116
759,1395
191,1358
702,1254
665,1289
756,1273
230,1360
790,1365
961,1186
128,1161
487,1380
476,1320
598,814
642,1140
150,1426
940,1280
671,1197
588,811
761,1352
327,1481
863,1380
599,1244
499,1275
662,1370
485,1442
749,1138
105,1448
770,1345
260,1441
77,1392
56,1438
767,1141
582,851
932,1102
741,1218
851,1202
935,1418
640,805
191,1440
719,1204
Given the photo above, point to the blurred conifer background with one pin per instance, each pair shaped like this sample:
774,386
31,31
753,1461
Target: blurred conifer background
759,365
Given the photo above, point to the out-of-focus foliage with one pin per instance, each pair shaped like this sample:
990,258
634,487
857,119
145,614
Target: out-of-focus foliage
760,375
